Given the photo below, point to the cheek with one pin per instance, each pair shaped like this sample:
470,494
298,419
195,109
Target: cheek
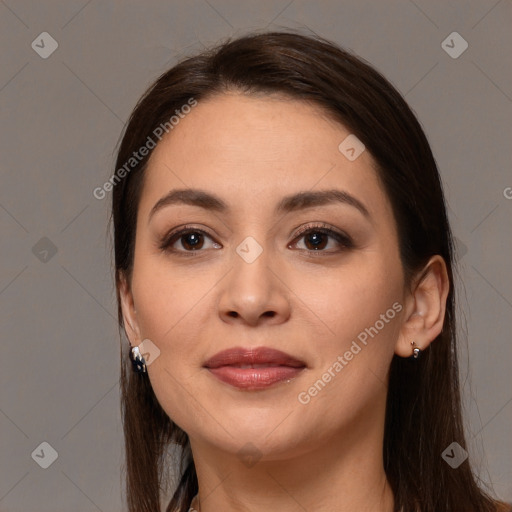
167,309
167,313
362,313
344,303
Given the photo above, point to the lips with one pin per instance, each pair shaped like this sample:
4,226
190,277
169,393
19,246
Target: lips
261,357
254,368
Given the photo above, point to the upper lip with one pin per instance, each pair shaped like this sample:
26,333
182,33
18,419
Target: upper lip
248,356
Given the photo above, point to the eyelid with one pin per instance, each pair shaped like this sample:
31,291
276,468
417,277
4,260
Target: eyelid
320,226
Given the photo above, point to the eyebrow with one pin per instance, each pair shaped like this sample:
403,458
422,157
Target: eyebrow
299,201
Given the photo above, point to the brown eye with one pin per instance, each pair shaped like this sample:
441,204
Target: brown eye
187,240
317,238
192,240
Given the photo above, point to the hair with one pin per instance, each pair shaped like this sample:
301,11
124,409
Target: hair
423,410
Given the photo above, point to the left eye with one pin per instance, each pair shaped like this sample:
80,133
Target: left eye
316,238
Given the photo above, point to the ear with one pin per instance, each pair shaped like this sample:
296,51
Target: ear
131,326
425,308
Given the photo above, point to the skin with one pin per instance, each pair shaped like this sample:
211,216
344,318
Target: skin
324,455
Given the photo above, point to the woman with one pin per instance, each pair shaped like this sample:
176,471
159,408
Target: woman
284,276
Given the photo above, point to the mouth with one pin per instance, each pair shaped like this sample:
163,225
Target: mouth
254,369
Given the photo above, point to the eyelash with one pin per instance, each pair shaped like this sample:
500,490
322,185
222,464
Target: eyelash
344,240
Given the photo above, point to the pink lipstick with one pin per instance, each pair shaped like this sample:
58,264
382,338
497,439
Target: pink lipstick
257,368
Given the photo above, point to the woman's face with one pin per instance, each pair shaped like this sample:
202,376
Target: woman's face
253,280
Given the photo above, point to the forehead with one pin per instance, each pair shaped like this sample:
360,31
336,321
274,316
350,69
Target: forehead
257,146
254,130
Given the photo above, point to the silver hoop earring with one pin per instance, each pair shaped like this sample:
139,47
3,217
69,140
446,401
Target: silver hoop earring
139,364
415,351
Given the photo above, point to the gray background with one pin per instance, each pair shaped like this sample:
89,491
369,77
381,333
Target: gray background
61,118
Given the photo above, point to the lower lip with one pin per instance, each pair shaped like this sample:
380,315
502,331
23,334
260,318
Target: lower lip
255,378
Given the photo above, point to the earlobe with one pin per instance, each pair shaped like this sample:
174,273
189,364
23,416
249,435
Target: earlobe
425,309
129,313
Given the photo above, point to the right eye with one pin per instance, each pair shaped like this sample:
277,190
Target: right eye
191,240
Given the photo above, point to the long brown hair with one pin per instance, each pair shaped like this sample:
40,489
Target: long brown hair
423,413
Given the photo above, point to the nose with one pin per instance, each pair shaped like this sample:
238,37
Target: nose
254,292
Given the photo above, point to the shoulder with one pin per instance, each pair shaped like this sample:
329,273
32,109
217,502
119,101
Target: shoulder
503,507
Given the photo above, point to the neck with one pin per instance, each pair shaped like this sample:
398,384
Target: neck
345,473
